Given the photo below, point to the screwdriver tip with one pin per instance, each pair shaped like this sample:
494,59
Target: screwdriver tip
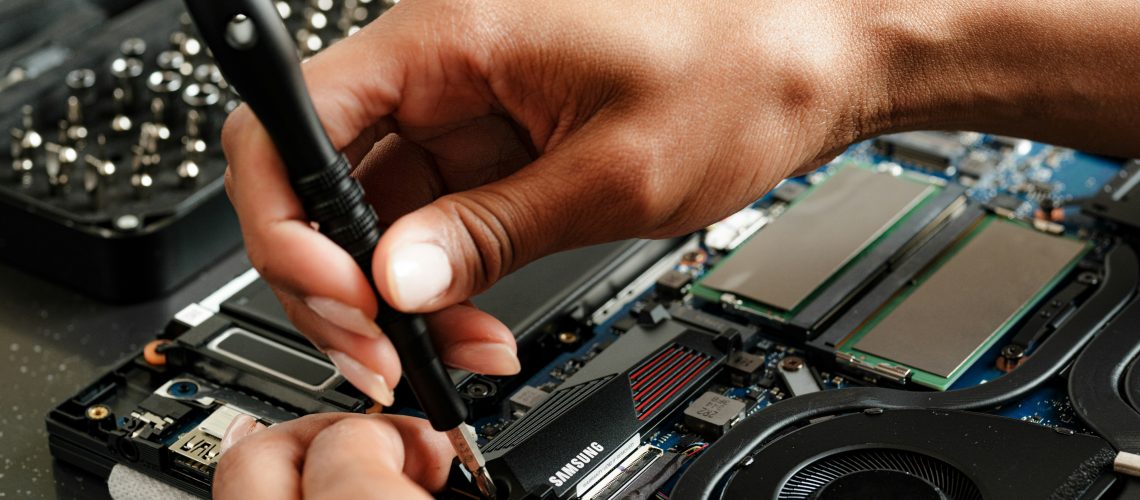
464,441
483,481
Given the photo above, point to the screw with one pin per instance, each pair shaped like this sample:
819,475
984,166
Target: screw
792,363
1012,351
477,390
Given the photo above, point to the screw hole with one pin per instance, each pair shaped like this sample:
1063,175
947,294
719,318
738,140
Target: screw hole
240,32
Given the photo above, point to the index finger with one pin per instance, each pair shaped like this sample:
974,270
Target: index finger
352,90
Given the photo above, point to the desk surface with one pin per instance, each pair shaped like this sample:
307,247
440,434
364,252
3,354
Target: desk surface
52,343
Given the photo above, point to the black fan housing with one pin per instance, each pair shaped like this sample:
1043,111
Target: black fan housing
925,454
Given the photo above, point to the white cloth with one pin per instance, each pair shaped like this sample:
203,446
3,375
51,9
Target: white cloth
125,483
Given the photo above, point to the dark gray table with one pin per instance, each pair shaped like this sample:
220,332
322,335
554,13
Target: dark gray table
52,343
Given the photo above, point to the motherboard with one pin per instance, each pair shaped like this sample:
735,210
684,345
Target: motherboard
932,314
799,284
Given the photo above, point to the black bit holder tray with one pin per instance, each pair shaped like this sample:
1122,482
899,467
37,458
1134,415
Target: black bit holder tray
131,248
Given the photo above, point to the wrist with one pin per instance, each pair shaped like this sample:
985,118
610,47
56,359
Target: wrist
818,69
911,57
1050,70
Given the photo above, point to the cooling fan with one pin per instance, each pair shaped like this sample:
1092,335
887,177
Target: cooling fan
925,454
883,473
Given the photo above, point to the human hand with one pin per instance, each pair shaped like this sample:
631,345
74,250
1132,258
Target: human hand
332,455
491,133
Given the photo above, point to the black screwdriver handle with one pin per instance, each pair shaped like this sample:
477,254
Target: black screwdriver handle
257,56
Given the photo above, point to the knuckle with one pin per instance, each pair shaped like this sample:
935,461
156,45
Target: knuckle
260,261
349,427
228,182
637,173
466,13
472,27
357,428
483,217
450,16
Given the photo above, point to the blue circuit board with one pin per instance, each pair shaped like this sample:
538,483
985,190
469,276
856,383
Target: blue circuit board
1063,176
1030,172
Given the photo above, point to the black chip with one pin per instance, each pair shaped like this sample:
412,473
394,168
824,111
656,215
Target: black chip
671,285
764,345
976,166
624,324
653,316
768,380
788,191
712,414
927,150
1006,202
744,369
164,407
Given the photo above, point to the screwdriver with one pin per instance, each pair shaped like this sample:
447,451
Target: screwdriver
256,55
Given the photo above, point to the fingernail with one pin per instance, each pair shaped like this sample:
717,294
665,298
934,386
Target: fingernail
241,426
369,382
487,358
418,274
349,318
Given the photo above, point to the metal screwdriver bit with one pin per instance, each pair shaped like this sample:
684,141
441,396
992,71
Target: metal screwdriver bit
58,166
316,20
97,175
209,73
188,170
133,47
128,76
121,122
17,151
183,40
309,42
144,158
81,84
176,38
76,131
467,448
163,85
352,16
173,60
200,98
26,142
321,5
283,9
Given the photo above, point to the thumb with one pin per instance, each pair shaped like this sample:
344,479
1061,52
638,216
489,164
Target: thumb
593,188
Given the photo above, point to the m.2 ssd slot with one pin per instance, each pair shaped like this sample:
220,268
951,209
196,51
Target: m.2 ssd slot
615,484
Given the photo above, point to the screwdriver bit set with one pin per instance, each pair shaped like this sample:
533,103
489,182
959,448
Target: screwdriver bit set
112,174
